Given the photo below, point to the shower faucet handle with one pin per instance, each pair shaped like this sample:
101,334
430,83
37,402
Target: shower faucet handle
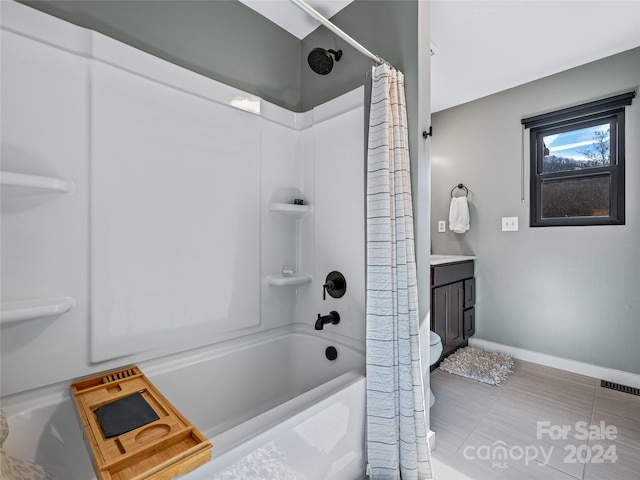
335,284
328,284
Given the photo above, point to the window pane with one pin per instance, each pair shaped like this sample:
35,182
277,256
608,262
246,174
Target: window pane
576,197
576,149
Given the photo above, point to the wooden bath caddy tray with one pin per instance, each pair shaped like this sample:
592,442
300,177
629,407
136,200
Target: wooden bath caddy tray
160,450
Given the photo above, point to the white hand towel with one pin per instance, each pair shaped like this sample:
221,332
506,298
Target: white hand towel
459,215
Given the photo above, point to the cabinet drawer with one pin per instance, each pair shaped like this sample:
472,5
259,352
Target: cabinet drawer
454,272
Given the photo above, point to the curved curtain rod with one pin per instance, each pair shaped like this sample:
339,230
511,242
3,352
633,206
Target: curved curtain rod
318,16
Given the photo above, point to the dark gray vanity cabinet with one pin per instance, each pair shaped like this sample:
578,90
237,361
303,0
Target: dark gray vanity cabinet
453,296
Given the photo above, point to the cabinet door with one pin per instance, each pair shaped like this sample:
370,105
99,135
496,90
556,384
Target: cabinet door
455,306
469,292
447,315
439,309
469,323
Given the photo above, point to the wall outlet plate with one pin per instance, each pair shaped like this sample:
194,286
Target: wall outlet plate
509,224
442,226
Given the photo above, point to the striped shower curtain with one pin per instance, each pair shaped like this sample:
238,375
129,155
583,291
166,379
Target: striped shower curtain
396,424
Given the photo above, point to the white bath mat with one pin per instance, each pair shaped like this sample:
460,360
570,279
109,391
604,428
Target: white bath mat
485,367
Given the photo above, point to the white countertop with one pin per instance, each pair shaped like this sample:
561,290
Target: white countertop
443,259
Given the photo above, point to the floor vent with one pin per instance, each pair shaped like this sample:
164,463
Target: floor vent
620,388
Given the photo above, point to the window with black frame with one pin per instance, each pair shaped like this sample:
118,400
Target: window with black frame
577,164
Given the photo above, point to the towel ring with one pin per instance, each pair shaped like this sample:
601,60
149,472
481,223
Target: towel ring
460,186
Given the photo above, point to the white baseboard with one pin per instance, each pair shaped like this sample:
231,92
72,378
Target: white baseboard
596,371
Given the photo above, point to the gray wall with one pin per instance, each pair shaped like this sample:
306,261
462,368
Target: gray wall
389,31
227,41
571,292
220,39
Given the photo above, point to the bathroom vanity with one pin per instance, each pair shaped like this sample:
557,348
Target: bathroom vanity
453,296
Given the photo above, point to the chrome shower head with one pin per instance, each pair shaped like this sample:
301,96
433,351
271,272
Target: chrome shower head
320,60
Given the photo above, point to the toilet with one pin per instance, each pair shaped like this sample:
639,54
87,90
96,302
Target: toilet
435,349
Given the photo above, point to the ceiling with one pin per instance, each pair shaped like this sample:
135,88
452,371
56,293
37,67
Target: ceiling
483,47
292,18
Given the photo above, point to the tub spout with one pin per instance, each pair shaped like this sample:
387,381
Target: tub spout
333,317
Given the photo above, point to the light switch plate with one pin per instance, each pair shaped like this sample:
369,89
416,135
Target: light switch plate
509,224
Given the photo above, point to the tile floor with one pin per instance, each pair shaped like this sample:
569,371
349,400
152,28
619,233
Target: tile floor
536,425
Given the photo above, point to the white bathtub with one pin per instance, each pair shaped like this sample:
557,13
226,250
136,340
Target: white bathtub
271,403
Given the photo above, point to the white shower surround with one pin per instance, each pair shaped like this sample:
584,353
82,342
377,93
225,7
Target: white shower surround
72,78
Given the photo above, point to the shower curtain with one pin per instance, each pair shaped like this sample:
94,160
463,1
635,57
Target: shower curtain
396,423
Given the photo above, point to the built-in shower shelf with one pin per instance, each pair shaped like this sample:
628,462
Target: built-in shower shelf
24,310
293,281
290,209
36,182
